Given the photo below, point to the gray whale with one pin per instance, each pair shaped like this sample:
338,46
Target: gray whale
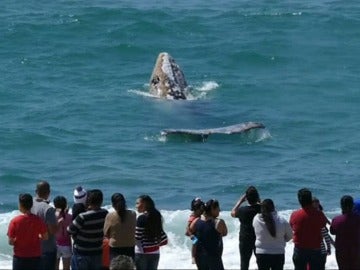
167,79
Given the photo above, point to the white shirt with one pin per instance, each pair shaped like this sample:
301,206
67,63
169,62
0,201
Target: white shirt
265,243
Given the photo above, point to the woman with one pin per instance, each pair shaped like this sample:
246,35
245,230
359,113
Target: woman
325,247
149,234
272,232
119,227
209,230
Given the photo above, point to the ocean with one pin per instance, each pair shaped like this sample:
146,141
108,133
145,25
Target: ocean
75,106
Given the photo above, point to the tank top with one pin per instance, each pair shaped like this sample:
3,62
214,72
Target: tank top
209,239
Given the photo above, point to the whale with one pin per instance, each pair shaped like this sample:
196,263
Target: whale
203,134
167,80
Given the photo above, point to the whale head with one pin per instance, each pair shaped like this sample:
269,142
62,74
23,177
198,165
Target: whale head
167,80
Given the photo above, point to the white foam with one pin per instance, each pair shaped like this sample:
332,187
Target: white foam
141,93
207,86
176,255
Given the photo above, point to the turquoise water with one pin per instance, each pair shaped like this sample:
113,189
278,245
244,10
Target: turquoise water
75,110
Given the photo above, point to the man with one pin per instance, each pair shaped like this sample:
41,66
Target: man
25,233
42,209
87,232
346,227
307,224
246,214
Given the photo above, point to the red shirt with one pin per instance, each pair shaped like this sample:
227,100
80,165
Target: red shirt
306,224
26,229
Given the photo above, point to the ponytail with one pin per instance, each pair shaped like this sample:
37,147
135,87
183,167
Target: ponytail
267,207
61,203
119,204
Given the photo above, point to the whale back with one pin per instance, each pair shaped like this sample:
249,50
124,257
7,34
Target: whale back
167,79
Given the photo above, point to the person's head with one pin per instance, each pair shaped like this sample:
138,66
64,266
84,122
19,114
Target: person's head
119,204
25,202
267,207
122,262
212,208
347,204
144,203
252,195
80,195
95,198
316,204
60,202
305,197
197,206
43,190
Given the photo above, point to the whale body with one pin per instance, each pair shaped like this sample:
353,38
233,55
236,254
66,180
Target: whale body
167,79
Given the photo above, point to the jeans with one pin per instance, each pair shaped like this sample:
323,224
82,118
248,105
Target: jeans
48,260
270,261
147,261
26,263
86,262
302,257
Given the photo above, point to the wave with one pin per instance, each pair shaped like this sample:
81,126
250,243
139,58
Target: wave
197,92
176,255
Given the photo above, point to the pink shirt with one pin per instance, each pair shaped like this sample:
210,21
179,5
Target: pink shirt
62,236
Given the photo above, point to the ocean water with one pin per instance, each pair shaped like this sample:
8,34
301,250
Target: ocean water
75,108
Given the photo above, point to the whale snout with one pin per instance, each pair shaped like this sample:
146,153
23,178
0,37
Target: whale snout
167,79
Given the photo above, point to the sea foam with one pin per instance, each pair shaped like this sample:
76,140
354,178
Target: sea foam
177,254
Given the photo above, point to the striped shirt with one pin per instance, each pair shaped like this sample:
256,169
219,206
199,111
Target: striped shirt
327,238
87,232
143,243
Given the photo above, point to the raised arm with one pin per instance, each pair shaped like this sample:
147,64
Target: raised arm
237,205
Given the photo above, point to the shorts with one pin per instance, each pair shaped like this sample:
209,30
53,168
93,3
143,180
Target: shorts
64,252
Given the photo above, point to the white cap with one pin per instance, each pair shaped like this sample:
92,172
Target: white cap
79,195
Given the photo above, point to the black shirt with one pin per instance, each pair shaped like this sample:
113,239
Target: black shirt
246,215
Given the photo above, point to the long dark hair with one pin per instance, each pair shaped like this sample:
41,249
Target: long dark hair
61,203
209,206
119,204
153,226
267,207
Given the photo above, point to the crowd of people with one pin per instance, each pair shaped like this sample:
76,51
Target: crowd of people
91,238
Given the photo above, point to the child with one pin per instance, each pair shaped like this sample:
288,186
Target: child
80,197
25,233
197,208
63,240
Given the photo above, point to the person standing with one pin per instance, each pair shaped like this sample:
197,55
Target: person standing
209,230
272,232
87,232
25,233
327,240
80,196
119,227
197,208
246,214
346,228
307,223
46,212
149,234
63,239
